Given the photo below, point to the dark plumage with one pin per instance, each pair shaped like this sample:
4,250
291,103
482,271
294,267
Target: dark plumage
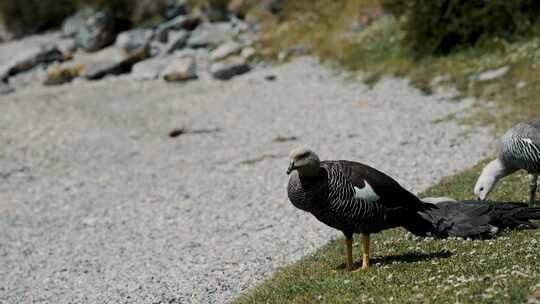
355,198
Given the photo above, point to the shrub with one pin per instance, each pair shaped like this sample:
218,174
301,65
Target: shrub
443,25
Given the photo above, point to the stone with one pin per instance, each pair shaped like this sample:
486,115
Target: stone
229,68
110,61
176,41
177,23
62,73
491,74
134,39
175,9
76,22
5,89
97,32
149,69
180,69
44,54
226,49
248,53
210,35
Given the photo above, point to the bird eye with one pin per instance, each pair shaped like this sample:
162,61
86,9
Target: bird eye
481,188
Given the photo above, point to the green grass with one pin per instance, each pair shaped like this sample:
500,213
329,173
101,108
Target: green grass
408,269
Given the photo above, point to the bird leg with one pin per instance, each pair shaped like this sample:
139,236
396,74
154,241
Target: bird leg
348,247
365,253
533,178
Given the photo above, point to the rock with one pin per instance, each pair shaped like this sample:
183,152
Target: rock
66,46
29,59
229,68
134,39
180,69
176,41
177,23
149,69
76,22
60,74
97,32
5,89
176,9
210,35
491,74
226,49
248,53
111,61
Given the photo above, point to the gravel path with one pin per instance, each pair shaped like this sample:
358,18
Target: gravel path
99,205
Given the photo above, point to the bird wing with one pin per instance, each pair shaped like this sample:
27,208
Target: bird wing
373,185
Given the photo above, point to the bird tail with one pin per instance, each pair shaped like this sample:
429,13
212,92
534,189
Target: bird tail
474,219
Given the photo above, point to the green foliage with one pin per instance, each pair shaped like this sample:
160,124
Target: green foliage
29,16
407,269
435,27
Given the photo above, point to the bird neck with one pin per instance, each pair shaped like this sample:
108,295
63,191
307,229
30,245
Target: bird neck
311,171
498,169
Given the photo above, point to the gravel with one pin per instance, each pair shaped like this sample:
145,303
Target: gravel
98,204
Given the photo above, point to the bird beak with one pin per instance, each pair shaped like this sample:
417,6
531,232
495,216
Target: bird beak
291,168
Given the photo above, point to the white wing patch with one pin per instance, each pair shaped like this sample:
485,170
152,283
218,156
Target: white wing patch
367,193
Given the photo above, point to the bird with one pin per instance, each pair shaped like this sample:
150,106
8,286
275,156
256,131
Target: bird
518,148
355,198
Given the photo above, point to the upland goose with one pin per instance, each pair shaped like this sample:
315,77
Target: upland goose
519,148
355,198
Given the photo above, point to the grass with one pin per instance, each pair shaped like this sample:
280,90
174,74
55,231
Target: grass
407,269
354,34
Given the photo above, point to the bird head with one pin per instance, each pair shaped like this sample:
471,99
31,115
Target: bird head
305,161
491,173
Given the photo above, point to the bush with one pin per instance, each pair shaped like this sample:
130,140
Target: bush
29,16
441,26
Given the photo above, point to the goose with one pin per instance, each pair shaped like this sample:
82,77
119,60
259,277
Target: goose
519,148
356,198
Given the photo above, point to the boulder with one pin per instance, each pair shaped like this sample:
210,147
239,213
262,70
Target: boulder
248,53
62,73
134,39
149,69
76,22
226,49
177,23
229,68
176,41
175,9
97,32
29,59
210,35
180,69
110,61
